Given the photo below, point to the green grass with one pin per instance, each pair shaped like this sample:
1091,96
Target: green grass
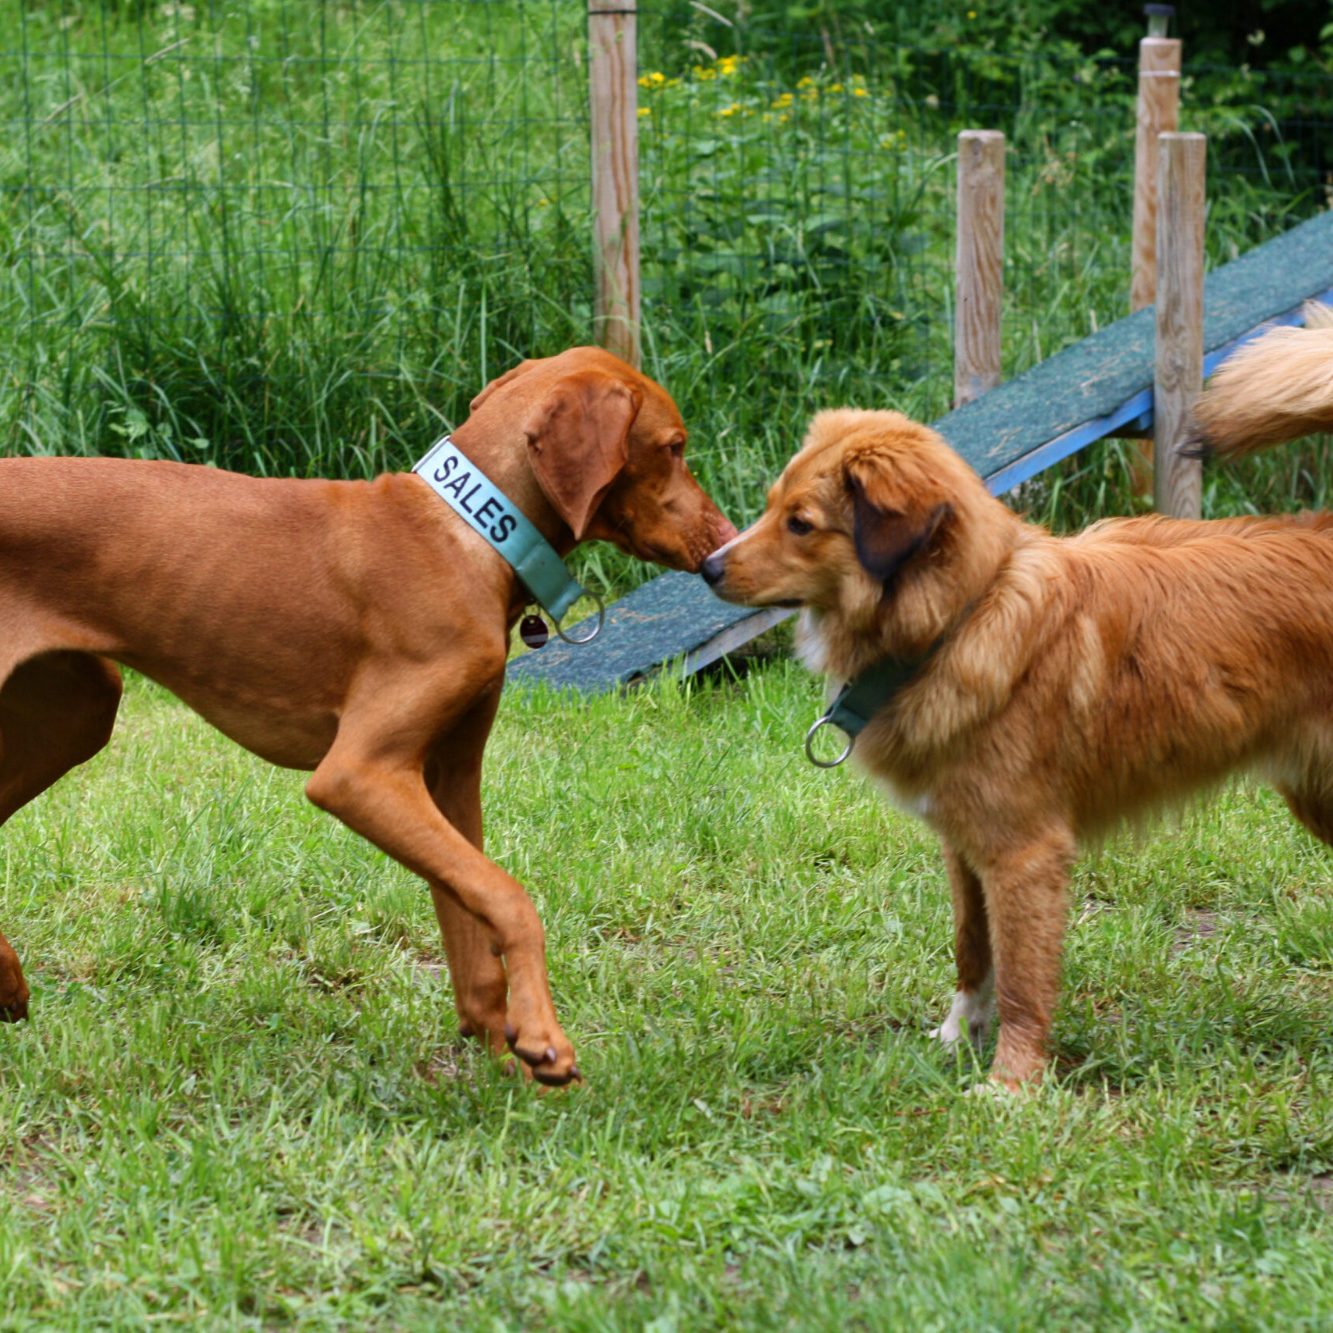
242,1099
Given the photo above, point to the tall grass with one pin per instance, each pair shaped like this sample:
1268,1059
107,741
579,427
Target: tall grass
275,239
295,239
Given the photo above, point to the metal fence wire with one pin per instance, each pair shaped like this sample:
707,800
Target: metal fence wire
295,236
241,225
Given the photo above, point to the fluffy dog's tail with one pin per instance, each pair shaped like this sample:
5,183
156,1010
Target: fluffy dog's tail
1276,388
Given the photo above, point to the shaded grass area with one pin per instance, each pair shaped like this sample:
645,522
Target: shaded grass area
242,1097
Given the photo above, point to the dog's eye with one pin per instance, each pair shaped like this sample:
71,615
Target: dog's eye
799,526
677,450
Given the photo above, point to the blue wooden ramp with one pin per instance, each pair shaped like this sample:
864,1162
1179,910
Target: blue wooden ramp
1099,386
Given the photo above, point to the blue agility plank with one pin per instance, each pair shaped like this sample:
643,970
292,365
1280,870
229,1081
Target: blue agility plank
1104,382
1096,387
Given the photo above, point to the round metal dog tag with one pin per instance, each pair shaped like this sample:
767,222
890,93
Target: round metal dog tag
532,630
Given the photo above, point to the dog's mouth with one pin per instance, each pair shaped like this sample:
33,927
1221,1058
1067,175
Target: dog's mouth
715,572
721,590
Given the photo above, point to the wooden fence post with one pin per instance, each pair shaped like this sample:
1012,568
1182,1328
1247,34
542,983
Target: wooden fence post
614,115
1178,374
1158,113
978,264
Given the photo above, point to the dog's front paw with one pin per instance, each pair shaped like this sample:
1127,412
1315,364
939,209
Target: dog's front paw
970,1015
548,1055
999,1089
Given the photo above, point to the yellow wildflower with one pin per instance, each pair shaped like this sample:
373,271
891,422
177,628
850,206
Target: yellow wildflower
727,66
703,73
859,92
785,100
835,87
731,110
645,111
805,82
654,80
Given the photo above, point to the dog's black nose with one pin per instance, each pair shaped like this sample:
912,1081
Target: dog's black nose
712,568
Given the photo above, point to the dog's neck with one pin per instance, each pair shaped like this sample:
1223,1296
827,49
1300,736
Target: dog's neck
929,603
503,456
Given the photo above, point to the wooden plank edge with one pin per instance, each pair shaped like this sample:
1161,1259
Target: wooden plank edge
733,637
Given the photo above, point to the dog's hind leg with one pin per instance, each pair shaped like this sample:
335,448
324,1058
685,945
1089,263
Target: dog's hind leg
1305,781
973,1008
1313,806
13,987
56,711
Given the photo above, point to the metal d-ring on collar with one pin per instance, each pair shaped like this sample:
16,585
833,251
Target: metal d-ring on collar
490,513
592,633
860,699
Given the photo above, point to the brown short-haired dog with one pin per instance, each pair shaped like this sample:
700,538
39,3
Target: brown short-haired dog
359,629
1056,685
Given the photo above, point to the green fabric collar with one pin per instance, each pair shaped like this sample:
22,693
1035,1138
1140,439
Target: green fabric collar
873,690
862,697
490,513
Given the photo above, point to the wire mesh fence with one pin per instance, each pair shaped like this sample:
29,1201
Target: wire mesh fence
243,232
291,236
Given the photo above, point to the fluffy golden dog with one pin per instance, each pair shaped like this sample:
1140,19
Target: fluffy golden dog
1059,684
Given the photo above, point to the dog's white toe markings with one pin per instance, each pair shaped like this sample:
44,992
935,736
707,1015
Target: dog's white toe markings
970,1015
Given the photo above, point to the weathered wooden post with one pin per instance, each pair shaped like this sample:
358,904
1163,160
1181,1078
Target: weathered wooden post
1178,375
978,264
1158,113
614,114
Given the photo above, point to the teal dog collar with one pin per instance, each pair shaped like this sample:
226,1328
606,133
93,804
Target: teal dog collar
874,689
859,700
490,513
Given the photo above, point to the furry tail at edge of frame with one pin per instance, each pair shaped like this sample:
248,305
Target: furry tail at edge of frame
1278,387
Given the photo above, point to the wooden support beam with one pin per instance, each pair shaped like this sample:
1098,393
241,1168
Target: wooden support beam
1178,376
978,264
614,116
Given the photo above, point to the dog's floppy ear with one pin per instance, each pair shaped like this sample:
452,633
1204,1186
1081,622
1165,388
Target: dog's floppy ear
578,441
887,537
521,369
